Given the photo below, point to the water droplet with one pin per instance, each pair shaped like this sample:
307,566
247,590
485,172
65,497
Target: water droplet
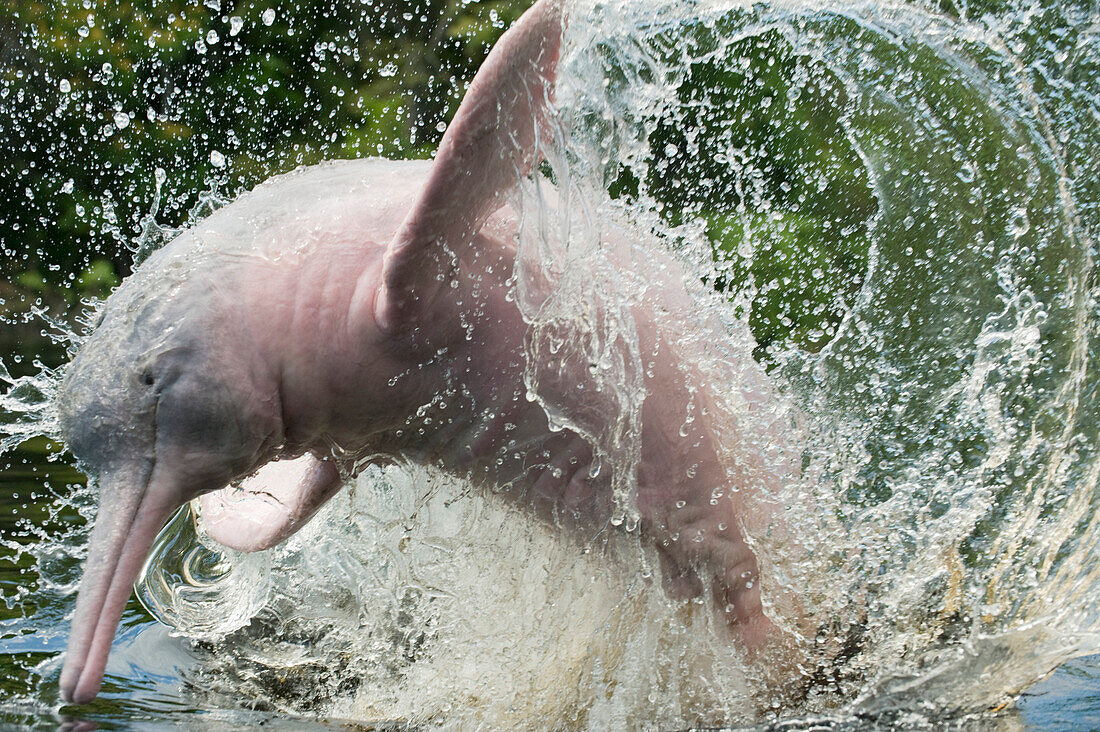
268,17
122,120
217,159
212,38
1019,224
235,25
64,86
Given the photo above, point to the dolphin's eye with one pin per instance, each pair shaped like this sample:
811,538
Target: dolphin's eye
147,377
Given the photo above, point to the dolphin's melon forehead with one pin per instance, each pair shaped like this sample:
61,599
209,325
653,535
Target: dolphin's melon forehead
155,309
170,297
106,404
168,290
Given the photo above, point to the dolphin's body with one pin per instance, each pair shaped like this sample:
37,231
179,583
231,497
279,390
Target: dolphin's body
360,311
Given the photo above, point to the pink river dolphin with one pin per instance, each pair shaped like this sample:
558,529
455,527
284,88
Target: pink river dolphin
361,311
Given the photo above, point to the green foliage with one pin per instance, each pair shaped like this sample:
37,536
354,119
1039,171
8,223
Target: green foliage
98,95
757,153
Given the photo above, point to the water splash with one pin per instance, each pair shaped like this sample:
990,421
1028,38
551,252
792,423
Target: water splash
27,404
192,583
948,484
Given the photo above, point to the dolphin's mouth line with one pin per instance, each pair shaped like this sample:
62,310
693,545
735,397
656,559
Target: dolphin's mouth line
263,493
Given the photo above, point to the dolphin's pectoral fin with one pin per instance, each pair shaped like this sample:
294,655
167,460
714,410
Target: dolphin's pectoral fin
266,508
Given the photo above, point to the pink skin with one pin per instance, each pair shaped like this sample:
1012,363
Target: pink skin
361,293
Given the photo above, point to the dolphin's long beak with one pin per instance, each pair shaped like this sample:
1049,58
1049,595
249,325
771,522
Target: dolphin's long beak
131,513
